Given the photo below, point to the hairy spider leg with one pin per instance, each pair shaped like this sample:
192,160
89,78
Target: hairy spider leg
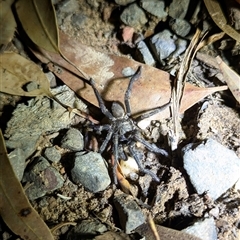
150,146
132,151
115,153
104,110
129,90
152,112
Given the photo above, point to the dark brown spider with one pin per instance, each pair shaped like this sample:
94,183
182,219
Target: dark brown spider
123,129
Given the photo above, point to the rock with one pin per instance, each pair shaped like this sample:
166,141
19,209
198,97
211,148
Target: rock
180,26
89,228
40,116
52,154
211,167
181,46
124,2
155,7
91,171
133,16
113,235
79,20
204,229
43,177
17,159
143,54
130,214
178,8
73,140
162,44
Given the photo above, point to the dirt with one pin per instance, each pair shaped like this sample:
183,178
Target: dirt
172,199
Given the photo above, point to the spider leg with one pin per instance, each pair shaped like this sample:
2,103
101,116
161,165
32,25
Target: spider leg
152,112
115,153
106,141
129,90
135,155
104,110
150,146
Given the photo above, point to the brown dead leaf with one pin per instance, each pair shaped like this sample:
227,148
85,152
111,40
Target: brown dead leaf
17,74
232,78
15,209
151,90
7,22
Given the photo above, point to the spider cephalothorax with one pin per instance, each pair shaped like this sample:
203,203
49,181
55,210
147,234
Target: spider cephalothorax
123,129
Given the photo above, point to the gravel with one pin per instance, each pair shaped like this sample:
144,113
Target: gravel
73,140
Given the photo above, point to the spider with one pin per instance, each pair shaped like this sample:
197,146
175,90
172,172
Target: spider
123,129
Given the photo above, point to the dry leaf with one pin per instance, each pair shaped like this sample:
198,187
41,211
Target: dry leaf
217,14
7,22
39,22
15,209
17,75
151,90
232,78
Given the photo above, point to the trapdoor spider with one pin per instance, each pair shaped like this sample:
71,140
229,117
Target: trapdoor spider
123,129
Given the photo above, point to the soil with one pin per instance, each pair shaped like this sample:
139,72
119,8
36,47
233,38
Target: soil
215,117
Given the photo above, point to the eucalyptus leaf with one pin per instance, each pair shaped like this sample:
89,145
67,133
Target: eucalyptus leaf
19,76
15,209
7,22
38,20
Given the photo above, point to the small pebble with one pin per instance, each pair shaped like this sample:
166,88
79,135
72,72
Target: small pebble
52,154
155,7
73,140
43,177
133,16
143,54
90,170
180,26
212,168
178,8
89,228
124,2
162,44
130,214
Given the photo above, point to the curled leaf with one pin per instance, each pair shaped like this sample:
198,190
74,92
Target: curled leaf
217,14
19,76
15,209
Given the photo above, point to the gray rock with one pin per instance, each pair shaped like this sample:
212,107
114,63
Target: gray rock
181,46
17,159
162,44
73,140
133,16
91,171
130,214
204,229
89,228
40,116
124,2
155,7
143,54
52,154
43,177
211,167
178,8
180,26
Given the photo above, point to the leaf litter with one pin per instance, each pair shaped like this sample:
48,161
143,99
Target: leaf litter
191,91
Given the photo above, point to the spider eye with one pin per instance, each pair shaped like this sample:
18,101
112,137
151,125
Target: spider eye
117,110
